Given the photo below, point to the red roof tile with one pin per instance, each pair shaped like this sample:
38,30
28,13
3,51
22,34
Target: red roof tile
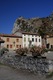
10,35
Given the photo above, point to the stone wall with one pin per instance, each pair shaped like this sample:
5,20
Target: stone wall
37,65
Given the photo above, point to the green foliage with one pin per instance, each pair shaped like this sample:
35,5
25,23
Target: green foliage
46,50
49,75
42,31
2,51
5,49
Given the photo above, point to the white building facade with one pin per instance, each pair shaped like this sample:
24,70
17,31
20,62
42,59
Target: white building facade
31,37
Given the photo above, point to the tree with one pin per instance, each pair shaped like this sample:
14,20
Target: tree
42,31
30,43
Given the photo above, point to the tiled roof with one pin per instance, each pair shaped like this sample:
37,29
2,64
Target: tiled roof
49,35
9,35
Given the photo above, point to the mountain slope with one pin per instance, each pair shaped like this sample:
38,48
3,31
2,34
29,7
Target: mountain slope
32,25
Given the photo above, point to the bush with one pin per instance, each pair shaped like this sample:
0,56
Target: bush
3,50
46,50
37,51
22,51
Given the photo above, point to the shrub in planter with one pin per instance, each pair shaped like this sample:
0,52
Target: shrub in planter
36,51
22,51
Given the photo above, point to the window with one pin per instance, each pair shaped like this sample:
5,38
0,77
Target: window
36,39
17,46
39,40
51,46
17,40
10,46
33,39
7,46
20,46
7,39
24,39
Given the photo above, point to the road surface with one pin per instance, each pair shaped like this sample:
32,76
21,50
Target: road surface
7,73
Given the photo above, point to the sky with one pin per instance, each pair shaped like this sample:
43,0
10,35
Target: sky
10,10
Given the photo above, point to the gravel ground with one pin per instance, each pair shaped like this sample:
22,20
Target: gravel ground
7,73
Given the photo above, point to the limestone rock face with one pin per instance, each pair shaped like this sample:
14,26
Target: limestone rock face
32,25
25,25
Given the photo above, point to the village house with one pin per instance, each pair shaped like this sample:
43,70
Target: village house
10,41
27,39
31,39
1,41
50,41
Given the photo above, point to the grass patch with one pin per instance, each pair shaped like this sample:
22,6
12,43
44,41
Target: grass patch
1,64
7,65
49,75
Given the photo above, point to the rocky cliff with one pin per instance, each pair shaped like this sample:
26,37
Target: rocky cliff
32,25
